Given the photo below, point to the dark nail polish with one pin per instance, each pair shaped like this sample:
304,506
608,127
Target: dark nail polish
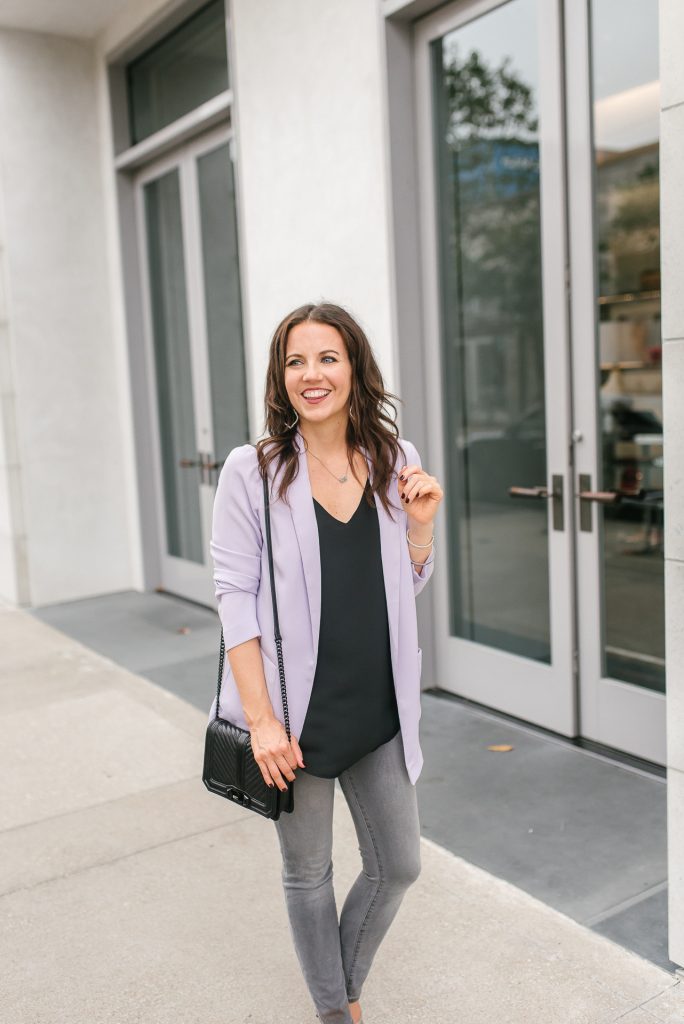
403,494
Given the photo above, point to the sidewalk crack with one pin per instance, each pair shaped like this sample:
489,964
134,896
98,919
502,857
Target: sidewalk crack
123,856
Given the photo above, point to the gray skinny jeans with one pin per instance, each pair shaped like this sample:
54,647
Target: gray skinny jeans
336,956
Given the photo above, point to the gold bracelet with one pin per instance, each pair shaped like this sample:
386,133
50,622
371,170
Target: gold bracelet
419,545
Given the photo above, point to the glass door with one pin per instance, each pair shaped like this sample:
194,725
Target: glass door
539,179
196,365
494,251
613,138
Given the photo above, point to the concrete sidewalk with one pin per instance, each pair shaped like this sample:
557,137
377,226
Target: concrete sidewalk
124,884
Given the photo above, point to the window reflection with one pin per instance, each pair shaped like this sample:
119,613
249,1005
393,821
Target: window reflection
179,73
173,364
487,149
626,141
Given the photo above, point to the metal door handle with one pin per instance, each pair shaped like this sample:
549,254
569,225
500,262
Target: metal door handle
556,495
587,498
601,497
529,492
206,465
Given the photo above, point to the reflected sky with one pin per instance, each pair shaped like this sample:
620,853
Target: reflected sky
627,29
508,31
626,86
625,73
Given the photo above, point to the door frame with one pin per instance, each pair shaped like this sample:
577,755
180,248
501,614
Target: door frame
543,694
178,575
615,713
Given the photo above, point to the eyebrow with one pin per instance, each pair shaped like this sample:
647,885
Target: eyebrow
321,353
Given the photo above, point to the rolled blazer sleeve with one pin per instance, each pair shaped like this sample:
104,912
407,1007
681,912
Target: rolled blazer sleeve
236,543
421,577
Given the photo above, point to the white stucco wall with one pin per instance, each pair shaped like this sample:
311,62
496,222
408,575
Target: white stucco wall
672,240
13,575
67,409
313,192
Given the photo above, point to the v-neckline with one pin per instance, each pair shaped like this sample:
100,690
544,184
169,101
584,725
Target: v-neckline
344,522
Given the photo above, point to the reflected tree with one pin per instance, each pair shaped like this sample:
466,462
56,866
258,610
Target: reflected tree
491,235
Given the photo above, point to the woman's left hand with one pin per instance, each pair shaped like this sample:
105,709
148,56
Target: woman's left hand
420,492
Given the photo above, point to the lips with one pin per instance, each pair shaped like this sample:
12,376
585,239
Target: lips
316,395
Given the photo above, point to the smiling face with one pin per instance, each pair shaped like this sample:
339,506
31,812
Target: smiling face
318,372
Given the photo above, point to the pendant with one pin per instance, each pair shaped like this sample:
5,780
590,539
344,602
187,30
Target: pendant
342,479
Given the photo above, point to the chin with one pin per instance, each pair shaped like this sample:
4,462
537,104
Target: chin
317,415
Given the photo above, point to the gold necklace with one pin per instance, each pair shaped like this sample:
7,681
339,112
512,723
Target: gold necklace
340,479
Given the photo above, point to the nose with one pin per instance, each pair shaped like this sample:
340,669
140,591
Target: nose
312,373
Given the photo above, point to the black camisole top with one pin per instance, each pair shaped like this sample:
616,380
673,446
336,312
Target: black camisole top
353,706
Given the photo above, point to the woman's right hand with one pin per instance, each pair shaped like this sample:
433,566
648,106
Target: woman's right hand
274,754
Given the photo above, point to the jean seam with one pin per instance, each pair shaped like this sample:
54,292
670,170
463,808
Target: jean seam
364,922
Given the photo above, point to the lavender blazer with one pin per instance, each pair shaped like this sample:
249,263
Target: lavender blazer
240,556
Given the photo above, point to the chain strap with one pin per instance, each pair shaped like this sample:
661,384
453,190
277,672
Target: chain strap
277,637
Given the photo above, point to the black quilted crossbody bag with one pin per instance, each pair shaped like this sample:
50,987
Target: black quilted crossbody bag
230,769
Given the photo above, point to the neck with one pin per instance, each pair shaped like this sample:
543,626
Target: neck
326,439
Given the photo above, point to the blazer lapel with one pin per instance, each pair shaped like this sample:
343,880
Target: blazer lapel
306,529
390,541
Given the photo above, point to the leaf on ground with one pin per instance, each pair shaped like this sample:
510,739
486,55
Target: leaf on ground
503,747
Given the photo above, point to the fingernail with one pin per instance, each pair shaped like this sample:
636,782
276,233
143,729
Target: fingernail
401,477
403,494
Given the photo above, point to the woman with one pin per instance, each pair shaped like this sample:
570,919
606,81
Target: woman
348,564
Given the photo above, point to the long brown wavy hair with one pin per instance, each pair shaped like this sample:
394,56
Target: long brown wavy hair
369,425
